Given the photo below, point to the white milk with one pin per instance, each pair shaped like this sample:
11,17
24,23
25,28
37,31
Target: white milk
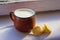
24,13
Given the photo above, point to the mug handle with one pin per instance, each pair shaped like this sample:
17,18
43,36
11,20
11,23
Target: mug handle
12,15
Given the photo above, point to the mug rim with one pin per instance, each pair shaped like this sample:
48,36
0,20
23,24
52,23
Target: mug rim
25,9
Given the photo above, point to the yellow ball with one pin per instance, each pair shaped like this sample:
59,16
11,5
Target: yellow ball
47,29
37,30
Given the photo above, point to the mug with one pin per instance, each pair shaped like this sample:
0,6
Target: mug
24,19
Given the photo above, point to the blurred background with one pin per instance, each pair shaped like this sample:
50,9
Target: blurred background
7,6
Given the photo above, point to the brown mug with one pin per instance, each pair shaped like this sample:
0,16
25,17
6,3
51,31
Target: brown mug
21,22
